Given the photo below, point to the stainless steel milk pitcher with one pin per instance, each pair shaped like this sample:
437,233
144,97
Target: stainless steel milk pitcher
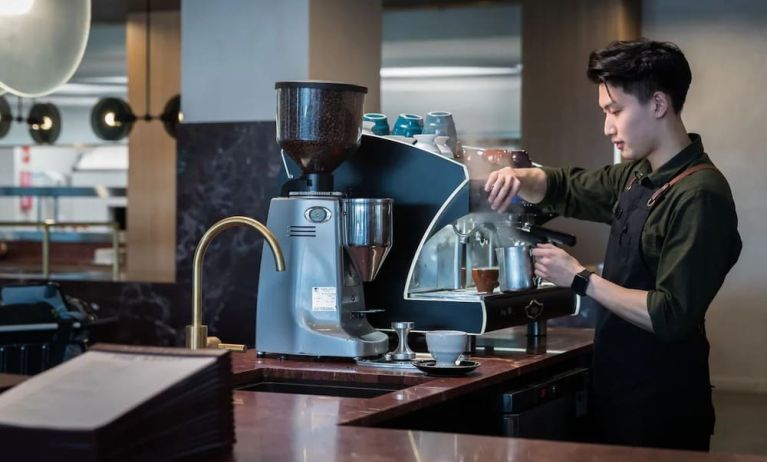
515,265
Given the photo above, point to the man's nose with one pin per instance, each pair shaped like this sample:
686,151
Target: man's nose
609,127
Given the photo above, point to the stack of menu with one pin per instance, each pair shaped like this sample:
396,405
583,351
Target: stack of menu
120,403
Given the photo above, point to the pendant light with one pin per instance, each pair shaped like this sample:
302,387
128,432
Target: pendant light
112,118
43,44
44,123
5,117
171,115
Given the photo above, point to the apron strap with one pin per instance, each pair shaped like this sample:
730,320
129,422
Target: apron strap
664,189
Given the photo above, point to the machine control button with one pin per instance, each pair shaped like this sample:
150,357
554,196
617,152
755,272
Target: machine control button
317,214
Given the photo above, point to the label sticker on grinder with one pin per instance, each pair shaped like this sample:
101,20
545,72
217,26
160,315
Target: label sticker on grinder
323,298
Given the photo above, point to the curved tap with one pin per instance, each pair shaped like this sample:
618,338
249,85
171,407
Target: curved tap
197,333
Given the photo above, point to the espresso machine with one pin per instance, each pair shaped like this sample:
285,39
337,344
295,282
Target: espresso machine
465,234
332,242
344,198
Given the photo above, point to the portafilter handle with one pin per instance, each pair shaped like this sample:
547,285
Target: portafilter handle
545,234
403,351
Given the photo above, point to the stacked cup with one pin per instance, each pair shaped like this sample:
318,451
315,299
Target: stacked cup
408,125
441,123
380,123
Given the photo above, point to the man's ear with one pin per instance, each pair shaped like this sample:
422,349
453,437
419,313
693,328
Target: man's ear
661,104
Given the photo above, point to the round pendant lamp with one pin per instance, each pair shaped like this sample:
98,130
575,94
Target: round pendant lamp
112,119
171,115
6,118
43,43
44,123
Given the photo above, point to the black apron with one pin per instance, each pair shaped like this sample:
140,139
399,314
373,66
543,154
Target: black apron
646,392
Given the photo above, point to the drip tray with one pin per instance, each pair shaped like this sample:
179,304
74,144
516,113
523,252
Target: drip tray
387,363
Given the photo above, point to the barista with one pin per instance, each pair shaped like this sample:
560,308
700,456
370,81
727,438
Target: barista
673,239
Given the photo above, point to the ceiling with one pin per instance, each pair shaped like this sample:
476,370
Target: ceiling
115,11
414,35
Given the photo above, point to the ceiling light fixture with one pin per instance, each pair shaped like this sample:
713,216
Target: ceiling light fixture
447,71
15,7
43,44
5,117
112,118
44,123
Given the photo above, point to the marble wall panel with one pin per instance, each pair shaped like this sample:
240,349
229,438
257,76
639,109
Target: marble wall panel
224,169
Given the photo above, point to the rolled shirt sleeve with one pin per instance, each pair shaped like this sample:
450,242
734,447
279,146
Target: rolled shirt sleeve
701,245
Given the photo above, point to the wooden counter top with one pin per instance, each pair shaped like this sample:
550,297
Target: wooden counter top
275,426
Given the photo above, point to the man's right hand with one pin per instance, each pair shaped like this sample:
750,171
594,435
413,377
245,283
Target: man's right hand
502,185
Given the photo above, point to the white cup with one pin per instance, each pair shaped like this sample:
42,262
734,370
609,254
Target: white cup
446,346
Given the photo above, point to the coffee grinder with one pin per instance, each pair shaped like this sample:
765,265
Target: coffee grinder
331,243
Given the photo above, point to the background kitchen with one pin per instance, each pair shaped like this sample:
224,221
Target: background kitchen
511,72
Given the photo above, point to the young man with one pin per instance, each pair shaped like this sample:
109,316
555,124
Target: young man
673,239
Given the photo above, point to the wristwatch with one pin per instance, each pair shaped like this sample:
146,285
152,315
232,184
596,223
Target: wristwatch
581,282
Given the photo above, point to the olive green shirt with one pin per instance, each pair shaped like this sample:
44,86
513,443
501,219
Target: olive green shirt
690,239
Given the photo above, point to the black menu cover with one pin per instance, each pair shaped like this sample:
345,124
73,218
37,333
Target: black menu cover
122,403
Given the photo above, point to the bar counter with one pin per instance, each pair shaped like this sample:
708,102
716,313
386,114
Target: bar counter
277,426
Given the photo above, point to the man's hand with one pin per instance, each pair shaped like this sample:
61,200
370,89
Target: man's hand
502,185
555,265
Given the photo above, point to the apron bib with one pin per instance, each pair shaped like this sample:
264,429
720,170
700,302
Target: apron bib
646,392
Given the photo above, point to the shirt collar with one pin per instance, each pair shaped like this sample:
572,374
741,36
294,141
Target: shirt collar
692,154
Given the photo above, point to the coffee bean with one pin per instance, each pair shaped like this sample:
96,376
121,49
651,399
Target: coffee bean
319,127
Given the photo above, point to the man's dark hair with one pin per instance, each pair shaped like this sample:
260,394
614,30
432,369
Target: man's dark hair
641,68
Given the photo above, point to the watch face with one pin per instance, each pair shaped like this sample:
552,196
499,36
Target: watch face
581,282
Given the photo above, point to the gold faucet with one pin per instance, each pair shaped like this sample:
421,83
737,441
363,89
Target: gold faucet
197,333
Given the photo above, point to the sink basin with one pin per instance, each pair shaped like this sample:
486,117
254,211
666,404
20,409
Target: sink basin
322,387
302,381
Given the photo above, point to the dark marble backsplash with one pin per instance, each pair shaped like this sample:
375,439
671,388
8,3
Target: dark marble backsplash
225,169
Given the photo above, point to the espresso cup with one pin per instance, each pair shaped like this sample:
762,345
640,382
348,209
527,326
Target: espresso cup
380,123
441,124
446,346
408,125
486,279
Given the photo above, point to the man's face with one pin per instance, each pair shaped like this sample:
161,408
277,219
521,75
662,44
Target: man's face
631,125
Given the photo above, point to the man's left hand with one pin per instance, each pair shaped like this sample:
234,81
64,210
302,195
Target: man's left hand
555,265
